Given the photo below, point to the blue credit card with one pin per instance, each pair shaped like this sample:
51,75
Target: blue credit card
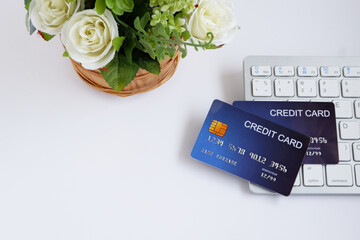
250,147
314,119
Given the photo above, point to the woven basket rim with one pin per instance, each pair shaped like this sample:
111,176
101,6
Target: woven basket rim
144,81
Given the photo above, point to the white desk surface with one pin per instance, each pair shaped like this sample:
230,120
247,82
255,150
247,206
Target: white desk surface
80,164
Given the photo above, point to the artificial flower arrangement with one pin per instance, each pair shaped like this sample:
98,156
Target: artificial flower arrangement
119,37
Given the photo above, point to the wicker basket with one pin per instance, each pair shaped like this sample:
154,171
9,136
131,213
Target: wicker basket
143,81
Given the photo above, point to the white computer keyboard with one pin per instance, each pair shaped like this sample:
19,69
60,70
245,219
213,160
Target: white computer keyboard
332,79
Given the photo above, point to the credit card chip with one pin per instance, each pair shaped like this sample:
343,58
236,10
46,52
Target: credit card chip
218,128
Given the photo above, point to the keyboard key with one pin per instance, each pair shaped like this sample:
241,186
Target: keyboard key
317,79
273,100
261,71
284,71
356,150
306,71
343,109
344,152
357,108
313,175
350,88
306,88
339,175
297,180
329,88
261,87
298,100
284,88
349,130
357,174
352,71
330,71
320,100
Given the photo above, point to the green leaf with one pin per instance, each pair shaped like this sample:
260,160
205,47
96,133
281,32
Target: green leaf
129,45
100,6
66,54
138,26
118,11
192,41
186,35
125,5
120,72
71,0
212,46
159,30
160,52
183,52
46,36
177,36
110,3
171,51
118,42
27,4
148,48
32,28
144,20
144,61
29,26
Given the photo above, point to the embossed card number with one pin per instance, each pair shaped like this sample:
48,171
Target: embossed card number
250,147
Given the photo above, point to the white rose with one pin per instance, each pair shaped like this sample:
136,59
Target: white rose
216,16
50,15
88,37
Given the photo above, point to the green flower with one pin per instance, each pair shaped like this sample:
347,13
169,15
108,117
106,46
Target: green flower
169,13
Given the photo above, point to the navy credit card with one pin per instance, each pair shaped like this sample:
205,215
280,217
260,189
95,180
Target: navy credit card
314,119
250,147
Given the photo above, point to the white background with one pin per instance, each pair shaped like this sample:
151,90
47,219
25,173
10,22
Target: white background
80,164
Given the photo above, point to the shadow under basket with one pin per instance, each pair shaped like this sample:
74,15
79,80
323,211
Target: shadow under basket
143,81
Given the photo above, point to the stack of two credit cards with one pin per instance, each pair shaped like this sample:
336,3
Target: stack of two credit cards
266,142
